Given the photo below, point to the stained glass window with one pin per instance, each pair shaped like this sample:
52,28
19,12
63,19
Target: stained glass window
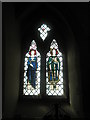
32,62
43,31
54,71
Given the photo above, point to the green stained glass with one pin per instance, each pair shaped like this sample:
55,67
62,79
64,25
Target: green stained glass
54,70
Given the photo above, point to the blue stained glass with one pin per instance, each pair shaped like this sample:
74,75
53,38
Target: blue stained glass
32,71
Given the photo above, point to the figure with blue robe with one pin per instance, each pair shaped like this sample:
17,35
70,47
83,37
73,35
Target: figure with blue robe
31,71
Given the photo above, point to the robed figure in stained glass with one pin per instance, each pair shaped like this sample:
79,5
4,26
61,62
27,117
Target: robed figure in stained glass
32,67
53,66
32,71
54,70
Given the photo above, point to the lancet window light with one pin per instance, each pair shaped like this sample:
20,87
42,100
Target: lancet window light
32,63
54,71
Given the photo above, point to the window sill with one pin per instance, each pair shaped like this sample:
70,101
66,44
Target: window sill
44,99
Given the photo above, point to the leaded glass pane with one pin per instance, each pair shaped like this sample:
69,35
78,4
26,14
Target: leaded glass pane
32,62
43,31
54,71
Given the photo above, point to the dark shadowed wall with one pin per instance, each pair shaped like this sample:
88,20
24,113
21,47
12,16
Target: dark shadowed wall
70,22
11,61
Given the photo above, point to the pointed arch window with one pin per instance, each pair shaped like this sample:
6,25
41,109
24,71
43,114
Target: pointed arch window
54,71
32,63
50,77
